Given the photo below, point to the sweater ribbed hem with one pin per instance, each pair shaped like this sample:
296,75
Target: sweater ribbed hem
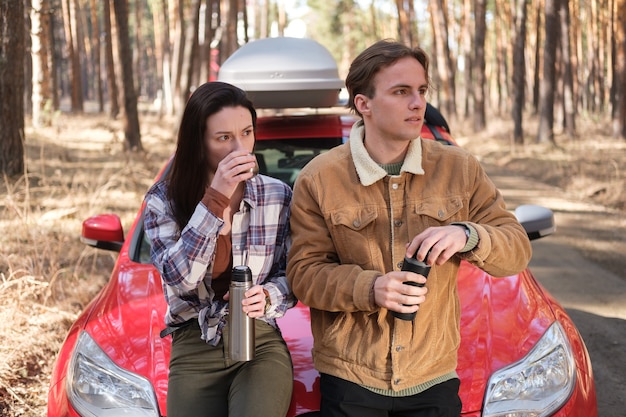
416,389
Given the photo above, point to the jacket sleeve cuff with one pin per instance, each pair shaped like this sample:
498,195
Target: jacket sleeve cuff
472,239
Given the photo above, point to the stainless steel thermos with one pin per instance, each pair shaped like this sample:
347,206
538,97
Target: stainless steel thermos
241,332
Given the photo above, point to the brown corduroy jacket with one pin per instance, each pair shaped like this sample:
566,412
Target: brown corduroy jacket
350,223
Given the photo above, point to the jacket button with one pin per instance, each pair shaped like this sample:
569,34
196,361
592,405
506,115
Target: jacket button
399,348
400,265
396,381
440,213
394,186
397,223
356,223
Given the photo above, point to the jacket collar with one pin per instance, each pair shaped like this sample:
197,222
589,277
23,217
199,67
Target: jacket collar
368,170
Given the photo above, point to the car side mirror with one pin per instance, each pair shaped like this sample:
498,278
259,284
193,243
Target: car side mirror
103,231
538,221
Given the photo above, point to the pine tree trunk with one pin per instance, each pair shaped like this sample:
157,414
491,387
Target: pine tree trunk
132,133
480,11
569,105
619,118
109,64
519,69
97,53
11,88
548,83
37,63
444,62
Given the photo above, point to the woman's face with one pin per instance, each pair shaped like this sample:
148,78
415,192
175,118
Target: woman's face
228,130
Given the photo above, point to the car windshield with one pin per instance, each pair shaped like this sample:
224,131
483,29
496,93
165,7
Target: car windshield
284,158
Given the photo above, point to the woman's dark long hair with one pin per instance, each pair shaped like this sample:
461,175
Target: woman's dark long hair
187,178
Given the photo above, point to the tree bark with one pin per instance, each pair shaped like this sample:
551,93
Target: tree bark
548,84
97,53
569,105
619,118
404,23
111,77
467,39
11,87
480,11
444,66
538,60
37,63
69,22
132,133
519,68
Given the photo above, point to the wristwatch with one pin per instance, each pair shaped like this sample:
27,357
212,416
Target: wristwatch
268,302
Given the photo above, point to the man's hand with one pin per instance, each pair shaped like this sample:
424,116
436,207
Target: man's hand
391,293
442,242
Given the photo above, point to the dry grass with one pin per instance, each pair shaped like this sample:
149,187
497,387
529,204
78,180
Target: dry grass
74,169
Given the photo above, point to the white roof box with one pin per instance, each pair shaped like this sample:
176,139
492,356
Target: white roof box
283,73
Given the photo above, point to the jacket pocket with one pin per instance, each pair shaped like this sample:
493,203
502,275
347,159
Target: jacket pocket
353,232
439,211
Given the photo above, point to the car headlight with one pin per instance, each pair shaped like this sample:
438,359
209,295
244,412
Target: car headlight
538,384
97,387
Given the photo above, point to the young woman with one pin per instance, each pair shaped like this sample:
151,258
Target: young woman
210,213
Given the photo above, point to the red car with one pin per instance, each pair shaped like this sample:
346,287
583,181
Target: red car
520,353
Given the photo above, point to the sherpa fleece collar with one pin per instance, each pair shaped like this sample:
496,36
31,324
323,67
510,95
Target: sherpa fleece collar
368,170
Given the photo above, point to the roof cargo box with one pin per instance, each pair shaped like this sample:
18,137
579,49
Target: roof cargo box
281,73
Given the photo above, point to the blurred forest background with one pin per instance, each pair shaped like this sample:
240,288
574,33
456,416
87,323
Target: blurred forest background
91,91
557,59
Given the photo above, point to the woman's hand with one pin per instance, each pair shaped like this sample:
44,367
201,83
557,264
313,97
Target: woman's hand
255,302
235,168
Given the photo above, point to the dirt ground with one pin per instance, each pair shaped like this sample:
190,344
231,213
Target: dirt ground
77,168
589,171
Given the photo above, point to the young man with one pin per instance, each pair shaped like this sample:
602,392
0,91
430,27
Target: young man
357,211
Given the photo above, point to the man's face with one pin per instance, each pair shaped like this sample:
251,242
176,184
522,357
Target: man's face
396,111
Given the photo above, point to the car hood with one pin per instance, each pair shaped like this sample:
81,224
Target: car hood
502,319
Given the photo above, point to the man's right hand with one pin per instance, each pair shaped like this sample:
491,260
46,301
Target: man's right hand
391,293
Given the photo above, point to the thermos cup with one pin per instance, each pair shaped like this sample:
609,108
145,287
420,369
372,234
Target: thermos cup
241,332
419,267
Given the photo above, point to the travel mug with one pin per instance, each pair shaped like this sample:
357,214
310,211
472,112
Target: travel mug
419,267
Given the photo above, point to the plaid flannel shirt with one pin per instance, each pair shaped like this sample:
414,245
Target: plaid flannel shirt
260,239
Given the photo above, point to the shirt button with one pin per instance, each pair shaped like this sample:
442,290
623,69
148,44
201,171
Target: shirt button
397,223
237,247
394,186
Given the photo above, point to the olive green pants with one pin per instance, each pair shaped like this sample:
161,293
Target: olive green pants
202,382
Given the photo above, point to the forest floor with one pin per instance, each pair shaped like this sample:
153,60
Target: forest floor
77,167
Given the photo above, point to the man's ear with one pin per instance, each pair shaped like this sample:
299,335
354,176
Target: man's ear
361,103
